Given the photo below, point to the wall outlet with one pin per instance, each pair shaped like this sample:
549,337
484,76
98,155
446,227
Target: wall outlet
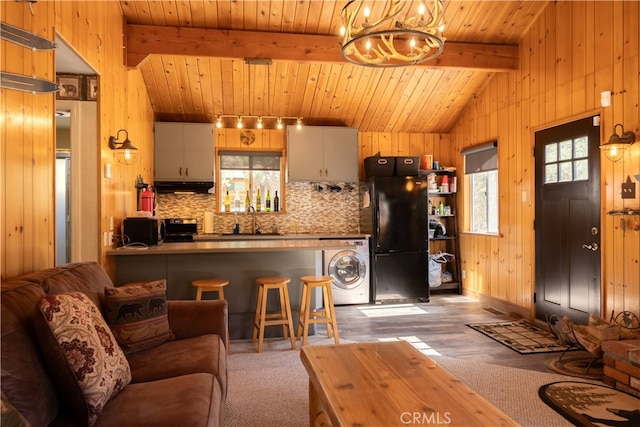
110,238
111,223
105,239
464,274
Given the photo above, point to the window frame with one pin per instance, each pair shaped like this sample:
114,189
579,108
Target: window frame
218,183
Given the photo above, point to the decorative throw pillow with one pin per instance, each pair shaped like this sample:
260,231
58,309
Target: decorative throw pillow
83,354
137,315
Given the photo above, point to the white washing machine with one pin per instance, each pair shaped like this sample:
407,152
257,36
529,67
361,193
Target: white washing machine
350,271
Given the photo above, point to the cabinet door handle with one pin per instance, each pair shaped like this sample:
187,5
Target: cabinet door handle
180,171
320,173
326,173
186,171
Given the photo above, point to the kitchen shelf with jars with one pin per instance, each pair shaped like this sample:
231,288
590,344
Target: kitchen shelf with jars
444,247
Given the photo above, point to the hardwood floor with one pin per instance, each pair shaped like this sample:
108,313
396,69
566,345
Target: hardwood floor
442,328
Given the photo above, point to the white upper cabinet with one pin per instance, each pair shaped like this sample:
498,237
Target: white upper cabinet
184,151
322,153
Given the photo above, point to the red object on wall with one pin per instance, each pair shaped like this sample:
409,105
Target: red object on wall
147,200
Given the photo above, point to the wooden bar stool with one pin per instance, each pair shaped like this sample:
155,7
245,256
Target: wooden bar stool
326,316
283,317
212,285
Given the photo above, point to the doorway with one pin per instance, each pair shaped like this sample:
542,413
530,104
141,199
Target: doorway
567,224
77,137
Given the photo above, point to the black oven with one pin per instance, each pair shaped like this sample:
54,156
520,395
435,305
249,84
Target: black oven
180,229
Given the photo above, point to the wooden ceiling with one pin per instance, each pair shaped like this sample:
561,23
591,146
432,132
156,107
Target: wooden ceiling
191,54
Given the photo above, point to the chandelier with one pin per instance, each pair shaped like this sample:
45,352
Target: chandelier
391,35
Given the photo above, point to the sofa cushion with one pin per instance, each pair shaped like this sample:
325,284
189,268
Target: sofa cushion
137,315
189,400
82,353
205,353
87,277
25,378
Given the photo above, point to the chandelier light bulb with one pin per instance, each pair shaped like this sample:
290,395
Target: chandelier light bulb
239,124
299,125
259,125
368,45
366,12
343,30
413,43
421,10
279,125
219,122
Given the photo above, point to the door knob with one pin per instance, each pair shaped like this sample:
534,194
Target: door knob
593,247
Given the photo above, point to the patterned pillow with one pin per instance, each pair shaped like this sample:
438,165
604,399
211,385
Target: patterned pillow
82,353
137,315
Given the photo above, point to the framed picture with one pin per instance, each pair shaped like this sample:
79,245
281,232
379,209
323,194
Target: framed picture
70,86
91,88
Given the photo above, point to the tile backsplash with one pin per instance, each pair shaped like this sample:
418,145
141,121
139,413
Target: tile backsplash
309,208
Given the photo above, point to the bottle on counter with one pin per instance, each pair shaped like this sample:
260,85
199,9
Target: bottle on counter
237,204
276,202
267,201
227,202
258,201
247,201
441,208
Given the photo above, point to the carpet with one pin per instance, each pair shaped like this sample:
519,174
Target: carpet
585,404
270,389
521,336
575,365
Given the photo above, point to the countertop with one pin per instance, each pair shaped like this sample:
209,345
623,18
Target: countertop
274,244
268,236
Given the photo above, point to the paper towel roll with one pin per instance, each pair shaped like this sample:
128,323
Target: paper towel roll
208,222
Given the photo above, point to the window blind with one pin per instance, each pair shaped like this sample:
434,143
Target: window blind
481,158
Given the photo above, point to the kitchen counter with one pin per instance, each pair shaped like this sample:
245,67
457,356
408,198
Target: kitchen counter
270,236
240,261
234,243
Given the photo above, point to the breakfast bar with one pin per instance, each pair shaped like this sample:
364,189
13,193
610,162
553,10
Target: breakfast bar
238,261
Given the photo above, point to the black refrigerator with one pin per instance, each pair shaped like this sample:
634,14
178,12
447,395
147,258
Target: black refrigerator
394,212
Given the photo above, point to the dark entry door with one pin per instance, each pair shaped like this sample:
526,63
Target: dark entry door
567,224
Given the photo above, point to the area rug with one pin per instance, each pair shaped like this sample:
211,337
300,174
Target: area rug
575,365
271,389
521,336
585,404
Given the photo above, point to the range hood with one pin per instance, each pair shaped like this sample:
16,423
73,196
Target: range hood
184,186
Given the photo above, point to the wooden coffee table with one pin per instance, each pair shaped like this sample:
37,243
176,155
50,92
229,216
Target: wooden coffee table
389,384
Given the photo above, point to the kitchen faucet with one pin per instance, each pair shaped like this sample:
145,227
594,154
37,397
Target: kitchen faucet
254,228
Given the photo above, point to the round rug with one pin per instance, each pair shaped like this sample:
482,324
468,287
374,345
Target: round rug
585,404
574,365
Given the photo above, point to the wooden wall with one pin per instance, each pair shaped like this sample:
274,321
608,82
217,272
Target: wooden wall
94,30
574,51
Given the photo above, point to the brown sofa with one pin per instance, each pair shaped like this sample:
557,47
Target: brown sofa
179,382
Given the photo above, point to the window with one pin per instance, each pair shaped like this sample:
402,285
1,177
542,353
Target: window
245,174
566,161
481,169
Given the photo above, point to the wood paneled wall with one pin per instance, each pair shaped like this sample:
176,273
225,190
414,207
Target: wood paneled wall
94,30
574,51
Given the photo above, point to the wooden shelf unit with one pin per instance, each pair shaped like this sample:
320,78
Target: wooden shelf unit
448,243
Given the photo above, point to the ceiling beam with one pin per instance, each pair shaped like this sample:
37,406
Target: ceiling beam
144,40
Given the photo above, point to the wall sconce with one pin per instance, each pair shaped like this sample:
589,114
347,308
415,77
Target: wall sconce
614,148
126,153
